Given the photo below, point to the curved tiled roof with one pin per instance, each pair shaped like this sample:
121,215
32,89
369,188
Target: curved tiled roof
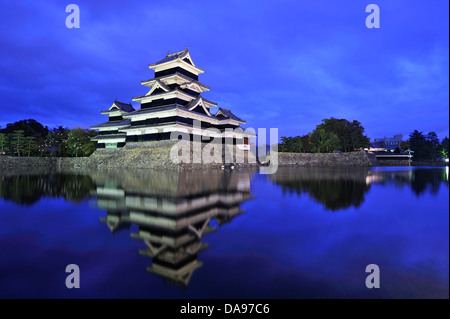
118,123
173,56
121,106
228,114
161,93
188,79
124,107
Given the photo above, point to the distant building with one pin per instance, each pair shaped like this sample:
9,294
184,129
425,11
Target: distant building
382,149
386,143
376,147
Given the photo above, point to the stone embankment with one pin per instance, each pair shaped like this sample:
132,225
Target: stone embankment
151,155
350,159
160,155
10,162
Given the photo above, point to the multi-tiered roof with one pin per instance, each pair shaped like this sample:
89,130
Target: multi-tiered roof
109,131
174,101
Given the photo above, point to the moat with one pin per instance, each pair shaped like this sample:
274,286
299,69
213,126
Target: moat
299,233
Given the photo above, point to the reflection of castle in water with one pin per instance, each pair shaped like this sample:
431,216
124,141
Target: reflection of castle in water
173,212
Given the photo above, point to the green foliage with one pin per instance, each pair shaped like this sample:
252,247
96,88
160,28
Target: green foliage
424,146
444,147
329,136
307,145
4,143
290,144
404,145
30,138
324,141
29,127
350,134
17,142
79,142
29,145
55,142
433,144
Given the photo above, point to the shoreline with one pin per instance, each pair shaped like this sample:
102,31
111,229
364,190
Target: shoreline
351,159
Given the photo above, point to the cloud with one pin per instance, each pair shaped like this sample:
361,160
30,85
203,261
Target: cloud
286,66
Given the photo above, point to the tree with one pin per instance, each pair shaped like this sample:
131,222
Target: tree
417,144
424,146
89,147
3,143
17,142
350,134
404,145
444,146
74,141
290,144
29,127
79,142
55,141
324,141
29,145
432,143
307,145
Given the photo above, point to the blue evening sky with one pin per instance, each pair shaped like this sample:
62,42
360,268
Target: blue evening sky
284,64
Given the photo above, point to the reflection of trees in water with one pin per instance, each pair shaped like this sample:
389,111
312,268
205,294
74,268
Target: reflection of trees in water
344,188
334,194
420,180
335,188
28,188
428,180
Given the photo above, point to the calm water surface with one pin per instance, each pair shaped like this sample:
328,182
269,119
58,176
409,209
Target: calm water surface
300,233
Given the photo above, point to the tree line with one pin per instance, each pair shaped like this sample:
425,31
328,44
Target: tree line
27,189
426,146
329,136
31,138
345,136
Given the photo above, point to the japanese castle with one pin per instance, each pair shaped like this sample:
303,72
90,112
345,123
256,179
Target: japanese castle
172,104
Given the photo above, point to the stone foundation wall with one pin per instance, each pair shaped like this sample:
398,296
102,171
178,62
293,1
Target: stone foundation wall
350,159
11,162
149,155
154,155
161,155
373,158
157,155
